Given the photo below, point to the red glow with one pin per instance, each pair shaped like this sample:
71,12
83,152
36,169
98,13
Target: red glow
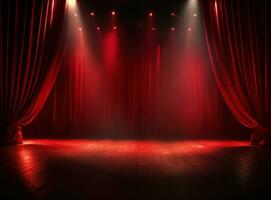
52,13
29,167
216,10
125,153
92,13
111,50
150,14
80,29
132,102
115,27
113,13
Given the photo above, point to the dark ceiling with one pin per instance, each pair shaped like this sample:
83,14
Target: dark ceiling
129,8
132,2
133,12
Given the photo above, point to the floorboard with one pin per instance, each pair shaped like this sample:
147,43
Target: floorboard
131,169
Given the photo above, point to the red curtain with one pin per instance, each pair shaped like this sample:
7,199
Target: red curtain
30,32
238,38
132,82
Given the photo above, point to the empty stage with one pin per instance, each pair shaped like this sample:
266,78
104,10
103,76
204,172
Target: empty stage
130,169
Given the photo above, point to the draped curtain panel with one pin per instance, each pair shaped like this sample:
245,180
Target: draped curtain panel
238,39
30,33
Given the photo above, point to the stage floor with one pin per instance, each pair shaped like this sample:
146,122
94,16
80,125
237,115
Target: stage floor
130,169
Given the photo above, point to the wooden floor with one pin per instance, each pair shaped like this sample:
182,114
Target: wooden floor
123,169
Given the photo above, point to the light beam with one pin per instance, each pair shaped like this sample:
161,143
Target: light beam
71,3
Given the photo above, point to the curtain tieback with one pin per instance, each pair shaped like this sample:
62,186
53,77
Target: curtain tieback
11,133
261,135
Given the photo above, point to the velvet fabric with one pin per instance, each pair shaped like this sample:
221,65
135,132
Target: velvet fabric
133,81
238,35
30,32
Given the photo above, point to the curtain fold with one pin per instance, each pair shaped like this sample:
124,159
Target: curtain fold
238,35
133,82
30,33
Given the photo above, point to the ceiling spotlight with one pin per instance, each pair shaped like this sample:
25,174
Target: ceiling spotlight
71,3
195,14
153,29
173,28
113,13
75,14
150,14
98,28
189,29
172,14
115,27
92,13
80,29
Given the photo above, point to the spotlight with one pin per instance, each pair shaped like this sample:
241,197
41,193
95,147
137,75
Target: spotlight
189,29
115,27
75,14
173,28
71,3
113,13
150,14
80,29
92,13
172,14
98,28
195,14
153,29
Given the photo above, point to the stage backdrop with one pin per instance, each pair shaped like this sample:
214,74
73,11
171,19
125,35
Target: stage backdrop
137,80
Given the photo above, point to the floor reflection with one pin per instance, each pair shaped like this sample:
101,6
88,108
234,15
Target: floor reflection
126,156
29,166
129,169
